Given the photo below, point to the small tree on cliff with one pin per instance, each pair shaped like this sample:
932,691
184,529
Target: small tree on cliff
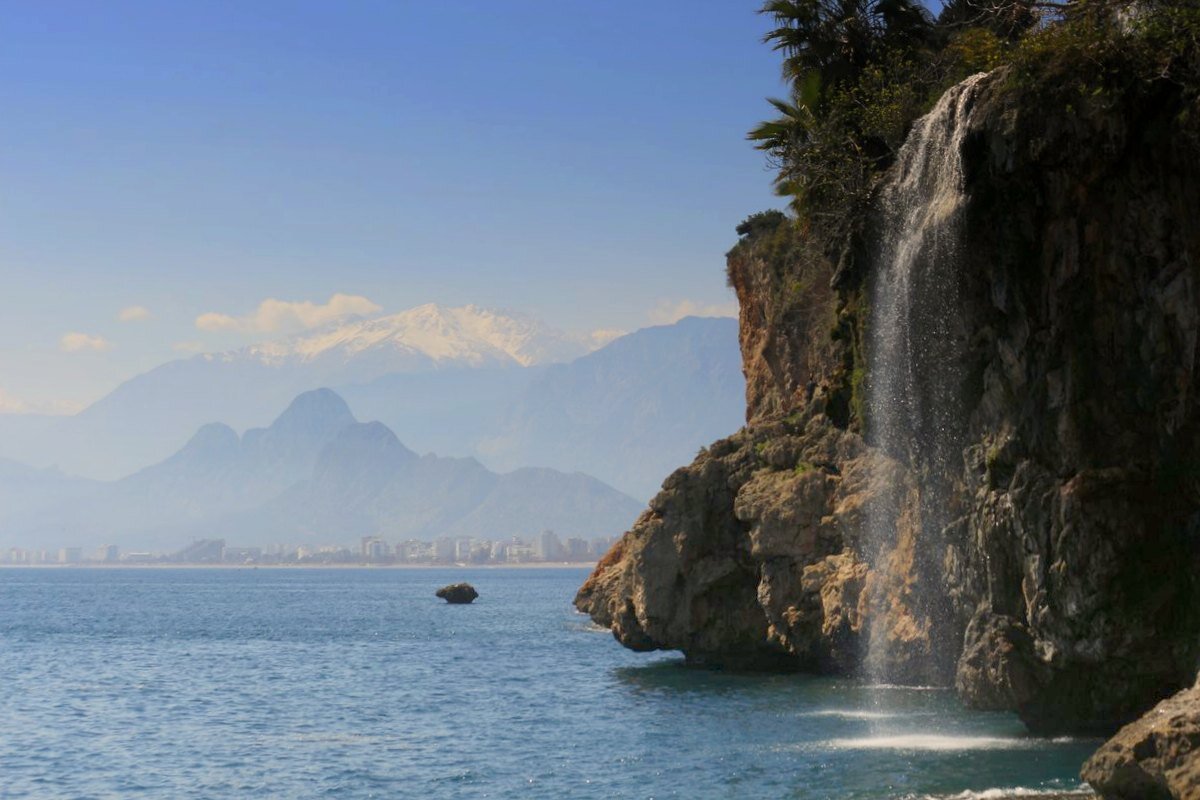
761,222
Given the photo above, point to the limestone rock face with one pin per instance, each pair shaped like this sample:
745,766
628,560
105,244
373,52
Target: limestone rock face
1064,588
749,558
1157,756
1073,565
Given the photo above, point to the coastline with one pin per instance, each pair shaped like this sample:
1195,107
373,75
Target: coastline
98,565
1011,794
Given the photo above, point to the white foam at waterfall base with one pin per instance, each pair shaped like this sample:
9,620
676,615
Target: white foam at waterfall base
850,713
936,742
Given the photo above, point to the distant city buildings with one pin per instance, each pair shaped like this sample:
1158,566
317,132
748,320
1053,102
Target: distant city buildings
374,549
577,550
202,551
546,547
242,555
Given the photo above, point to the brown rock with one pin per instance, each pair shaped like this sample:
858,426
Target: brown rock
748,557
1156,757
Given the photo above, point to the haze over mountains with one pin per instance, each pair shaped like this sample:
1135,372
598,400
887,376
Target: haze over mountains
618,412
467,381
315,475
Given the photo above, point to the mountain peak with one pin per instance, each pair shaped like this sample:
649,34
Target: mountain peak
211,446
215,437
317,411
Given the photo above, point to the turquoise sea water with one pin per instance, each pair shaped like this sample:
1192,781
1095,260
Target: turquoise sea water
348,683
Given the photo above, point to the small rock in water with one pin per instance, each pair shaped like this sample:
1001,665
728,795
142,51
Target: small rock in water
458,593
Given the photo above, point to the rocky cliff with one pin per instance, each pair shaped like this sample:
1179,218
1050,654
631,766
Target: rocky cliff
1047,566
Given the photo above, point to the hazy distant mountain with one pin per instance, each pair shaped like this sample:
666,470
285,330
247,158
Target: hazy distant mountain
317,475
25,490
446,411
217,469
459,382
152,415
367,482
631,412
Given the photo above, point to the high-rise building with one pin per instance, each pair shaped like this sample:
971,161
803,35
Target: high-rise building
517,552
374,549
548,547
443,549
462,550
108,554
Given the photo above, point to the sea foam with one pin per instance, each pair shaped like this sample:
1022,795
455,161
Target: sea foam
939,742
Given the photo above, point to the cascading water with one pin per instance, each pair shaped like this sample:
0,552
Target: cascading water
914,363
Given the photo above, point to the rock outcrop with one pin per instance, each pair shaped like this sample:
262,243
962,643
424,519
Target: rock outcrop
1073,563
1063,585
458,593
1155,758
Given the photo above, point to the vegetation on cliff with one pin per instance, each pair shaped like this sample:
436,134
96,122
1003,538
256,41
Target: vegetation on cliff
860,72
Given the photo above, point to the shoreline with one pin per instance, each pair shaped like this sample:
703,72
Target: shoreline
538,565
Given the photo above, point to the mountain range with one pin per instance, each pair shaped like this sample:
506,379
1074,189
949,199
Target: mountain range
624,411
503,388
315,475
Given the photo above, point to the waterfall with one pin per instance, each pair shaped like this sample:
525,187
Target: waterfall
915,344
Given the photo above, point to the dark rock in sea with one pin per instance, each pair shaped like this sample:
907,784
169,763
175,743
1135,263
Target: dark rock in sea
1156,757
458,593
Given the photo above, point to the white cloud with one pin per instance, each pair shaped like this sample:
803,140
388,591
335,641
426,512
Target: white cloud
75,342
273,316
11,404
670,311
133,314
188,347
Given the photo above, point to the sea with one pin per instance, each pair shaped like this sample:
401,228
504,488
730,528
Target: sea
359,683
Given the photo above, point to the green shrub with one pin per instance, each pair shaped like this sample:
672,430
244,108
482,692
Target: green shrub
861,71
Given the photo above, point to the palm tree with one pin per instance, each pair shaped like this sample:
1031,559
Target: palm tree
826,45
834,40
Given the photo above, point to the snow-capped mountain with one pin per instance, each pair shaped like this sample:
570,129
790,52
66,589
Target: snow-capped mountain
428,336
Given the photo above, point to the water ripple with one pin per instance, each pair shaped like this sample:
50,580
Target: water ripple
360,684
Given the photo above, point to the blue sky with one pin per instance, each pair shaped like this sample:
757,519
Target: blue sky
584,162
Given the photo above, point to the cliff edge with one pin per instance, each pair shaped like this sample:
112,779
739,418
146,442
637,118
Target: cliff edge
1047,564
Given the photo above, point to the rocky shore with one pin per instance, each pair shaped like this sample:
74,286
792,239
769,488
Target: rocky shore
1064,580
